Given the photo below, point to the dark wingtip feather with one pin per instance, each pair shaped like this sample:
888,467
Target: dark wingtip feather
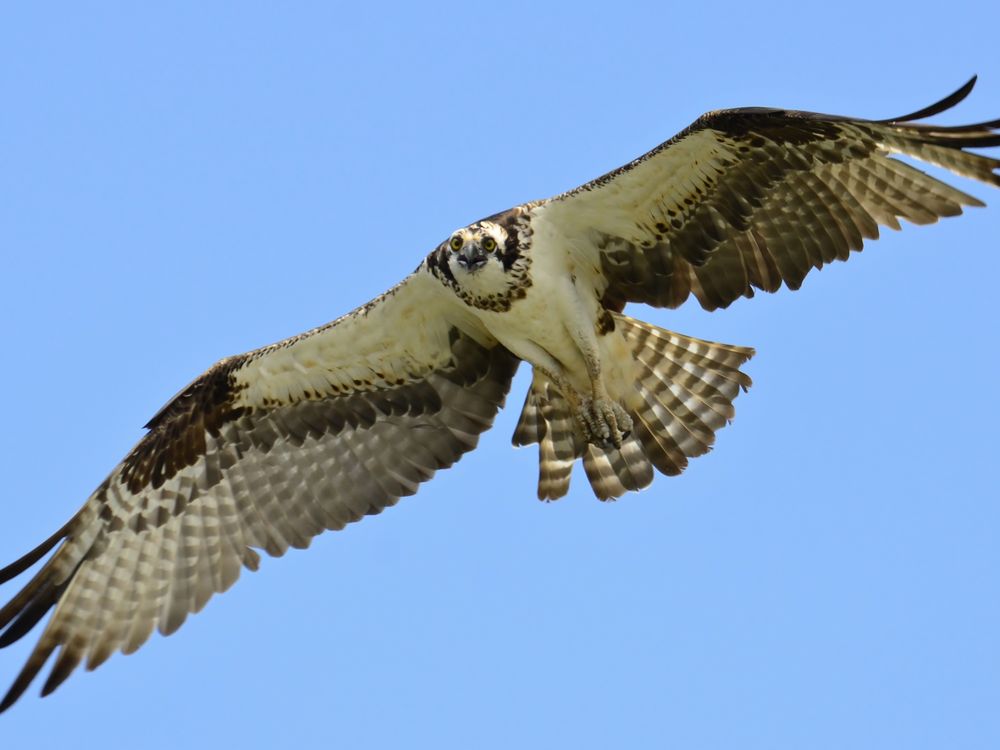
69,658
23,563
10,699
940,106
31,669
28,615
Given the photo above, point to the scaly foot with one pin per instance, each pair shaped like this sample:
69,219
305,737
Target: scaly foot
605,422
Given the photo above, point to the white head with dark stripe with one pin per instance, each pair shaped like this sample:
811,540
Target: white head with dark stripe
483,263
474,248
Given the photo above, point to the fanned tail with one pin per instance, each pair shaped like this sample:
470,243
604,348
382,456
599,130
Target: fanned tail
685,388
548,420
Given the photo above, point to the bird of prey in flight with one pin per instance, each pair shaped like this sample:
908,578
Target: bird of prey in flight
269,448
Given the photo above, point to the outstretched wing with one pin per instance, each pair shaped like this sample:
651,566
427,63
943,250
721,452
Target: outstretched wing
265,450
753,198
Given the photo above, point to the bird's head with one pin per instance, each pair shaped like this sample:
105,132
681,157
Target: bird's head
484,263
475,247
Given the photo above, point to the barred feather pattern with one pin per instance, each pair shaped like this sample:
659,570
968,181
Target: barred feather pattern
548,420
756,198
171,527
686,388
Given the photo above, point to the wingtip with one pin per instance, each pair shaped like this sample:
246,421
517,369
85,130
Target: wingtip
14,569
27,674
937,107
15,692
966,88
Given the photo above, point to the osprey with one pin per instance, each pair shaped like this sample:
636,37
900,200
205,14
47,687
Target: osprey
269,448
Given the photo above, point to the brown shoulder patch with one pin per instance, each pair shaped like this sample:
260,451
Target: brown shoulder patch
176,436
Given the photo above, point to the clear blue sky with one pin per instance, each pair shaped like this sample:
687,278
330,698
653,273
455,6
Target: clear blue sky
179,184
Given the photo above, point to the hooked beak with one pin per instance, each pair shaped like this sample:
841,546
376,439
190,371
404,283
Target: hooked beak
472,256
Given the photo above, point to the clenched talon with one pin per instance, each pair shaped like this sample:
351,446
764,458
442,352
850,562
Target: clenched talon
605,423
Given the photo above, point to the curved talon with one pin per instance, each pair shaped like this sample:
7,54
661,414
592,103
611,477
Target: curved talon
605,423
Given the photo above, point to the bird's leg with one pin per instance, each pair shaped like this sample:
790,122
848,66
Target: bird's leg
602,421
605,421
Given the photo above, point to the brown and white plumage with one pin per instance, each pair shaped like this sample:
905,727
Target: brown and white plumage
268,449
263,451
720,209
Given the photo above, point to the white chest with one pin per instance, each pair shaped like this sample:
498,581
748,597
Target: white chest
552,326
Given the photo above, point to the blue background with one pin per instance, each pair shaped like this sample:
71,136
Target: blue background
184,181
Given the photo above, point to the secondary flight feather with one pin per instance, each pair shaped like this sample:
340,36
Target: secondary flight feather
269,448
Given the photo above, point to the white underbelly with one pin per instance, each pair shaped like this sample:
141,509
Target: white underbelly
556,326
536,324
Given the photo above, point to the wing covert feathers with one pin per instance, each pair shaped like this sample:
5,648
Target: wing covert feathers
754,198
223,473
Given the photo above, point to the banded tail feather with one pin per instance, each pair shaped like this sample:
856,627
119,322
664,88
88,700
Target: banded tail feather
685,389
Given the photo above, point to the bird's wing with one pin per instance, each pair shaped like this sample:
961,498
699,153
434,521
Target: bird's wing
753,198
265,450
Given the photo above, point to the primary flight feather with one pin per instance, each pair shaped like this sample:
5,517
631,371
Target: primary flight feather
269,448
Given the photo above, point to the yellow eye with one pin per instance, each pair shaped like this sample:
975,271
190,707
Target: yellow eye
489,244
456,243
